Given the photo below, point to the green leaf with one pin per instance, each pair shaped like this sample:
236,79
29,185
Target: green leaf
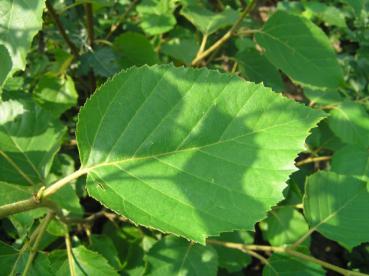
331,15
6,64
134,49
175,256
352,160
300,49
284,226
105,246
350,122
86,262
283,265
335,205
182,47
9,257
29,139
323,97
230,259
191,147
207,21
257,68
323,137
55,94
20,20
157,16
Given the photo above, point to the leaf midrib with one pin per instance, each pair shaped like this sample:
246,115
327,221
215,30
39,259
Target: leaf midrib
112,163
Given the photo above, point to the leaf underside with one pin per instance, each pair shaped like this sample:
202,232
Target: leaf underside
190,151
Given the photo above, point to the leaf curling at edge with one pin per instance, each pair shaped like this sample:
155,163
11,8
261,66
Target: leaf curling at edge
153,124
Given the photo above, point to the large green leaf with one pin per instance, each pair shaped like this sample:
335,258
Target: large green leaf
350,122
29,139
207,21
175,256
86,262
284,226
336,206
173,147
20,20
300,49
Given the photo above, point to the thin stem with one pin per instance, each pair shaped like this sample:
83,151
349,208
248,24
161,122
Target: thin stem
34,202
227,35
68,245
313,160
90,24
286,250
60,27
121,19
202,45
38,239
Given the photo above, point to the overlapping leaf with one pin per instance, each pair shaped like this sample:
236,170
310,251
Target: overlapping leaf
300,49
172,147
336,206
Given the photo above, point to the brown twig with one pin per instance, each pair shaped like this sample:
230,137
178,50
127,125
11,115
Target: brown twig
313,160
226,36
60,27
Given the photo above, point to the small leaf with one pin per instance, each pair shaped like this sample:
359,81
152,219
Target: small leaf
207,21
300,49
191,147
257,68
352,160
20,21
29,139
86,262
283,265
350,122
156,16
230,259
175,256
335,205
55,94
284,226
134,49
105,246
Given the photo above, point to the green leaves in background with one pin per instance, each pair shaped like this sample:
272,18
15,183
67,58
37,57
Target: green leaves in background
6,64
20,20
156,16
175,256
13,264
134,49
56,94
29,139
336,206
205,20
300,49
350,122
183,133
